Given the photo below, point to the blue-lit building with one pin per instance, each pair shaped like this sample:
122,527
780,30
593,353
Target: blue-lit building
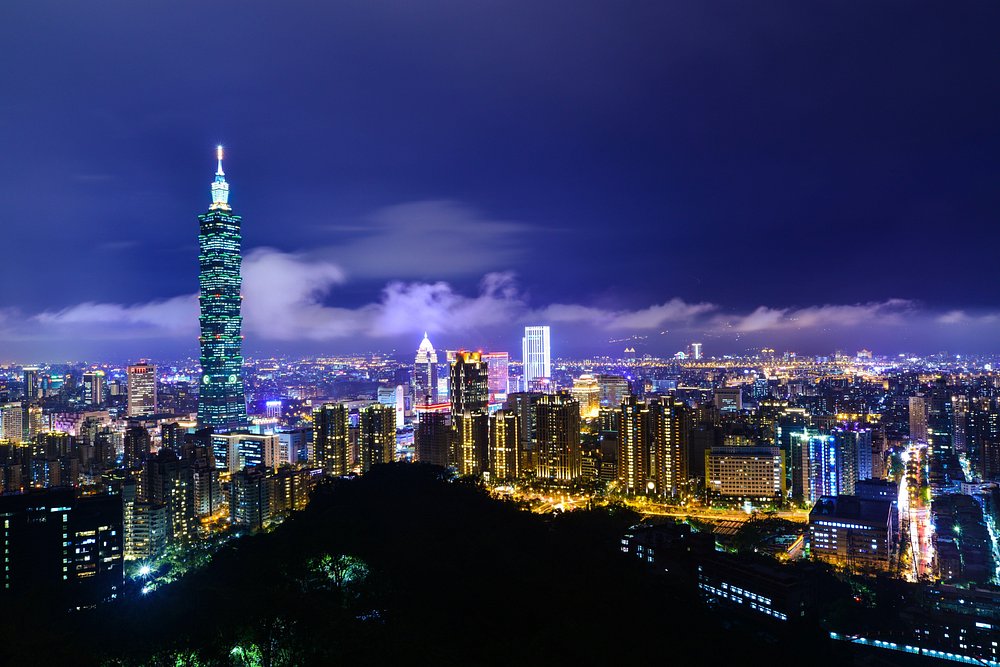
854,457
221,398
235,451
815,470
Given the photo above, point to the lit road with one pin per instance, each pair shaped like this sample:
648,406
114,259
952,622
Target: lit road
917,513
800,516
546,502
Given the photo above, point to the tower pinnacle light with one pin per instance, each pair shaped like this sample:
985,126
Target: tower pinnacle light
220,189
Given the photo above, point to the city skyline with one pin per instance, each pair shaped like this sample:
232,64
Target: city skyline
503,333
650,207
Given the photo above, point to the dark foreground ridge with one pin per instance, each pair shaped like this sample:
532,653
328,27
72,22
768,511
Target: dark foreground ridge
403,566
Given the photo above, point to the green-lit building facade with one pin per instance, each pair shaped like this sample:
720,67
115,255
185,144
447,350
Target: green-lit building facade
221,399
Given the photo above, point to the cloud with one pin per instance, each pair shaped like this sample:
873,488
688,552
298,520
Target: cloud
163,318
291,297
955,317
284,294
674,311
890,312
424,240
436,307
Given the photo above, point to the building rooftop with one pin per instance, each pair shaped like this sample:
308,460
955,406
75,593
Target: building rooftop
851,508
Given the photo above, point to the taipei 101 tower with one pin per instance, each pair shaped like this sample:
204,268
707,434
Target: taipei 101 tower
221,400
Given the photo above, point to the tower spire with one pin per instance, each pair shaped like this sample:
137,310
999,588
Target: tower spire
220,189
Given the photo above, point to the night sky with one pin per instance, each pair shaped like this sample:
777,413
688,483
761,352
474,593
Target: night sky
805,175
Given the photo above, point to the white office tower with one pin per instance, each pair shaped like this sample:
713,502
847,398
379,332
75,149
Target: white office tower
425,374
696,350
12,422
536,357
141,389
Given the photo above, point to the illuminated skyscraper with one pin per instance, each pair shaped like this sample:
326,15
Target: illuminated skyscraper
32,386
425,375
587,392
331,439
376,435
746,472
469,383
918,419
557,434
669,434
497,363
818,465
536,357
470,442
653,446
633,446
432,436
221,400
94,389
469,406
503,446
141,389
613,390
12,422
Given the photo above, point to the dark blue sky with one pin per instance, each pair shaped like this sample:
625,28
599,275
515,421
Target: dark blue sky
607,157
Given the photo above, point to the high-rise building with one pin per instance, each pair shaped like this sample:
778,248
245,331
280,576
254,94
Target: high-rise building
756,473
587,391
503,446
960,411
376,435
818,465
34,422
137,447
169,482
249,500
431,438
918,419
653,446
729,399
141,389
221,399
633,446
852,532
696,351
496,364
557,435
12,422
331,437
394,396
469,383
470,448
523,405
235,451
536,358
32,384
853,449
469,408
146,525
425,374
613,390
94,389
62,549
